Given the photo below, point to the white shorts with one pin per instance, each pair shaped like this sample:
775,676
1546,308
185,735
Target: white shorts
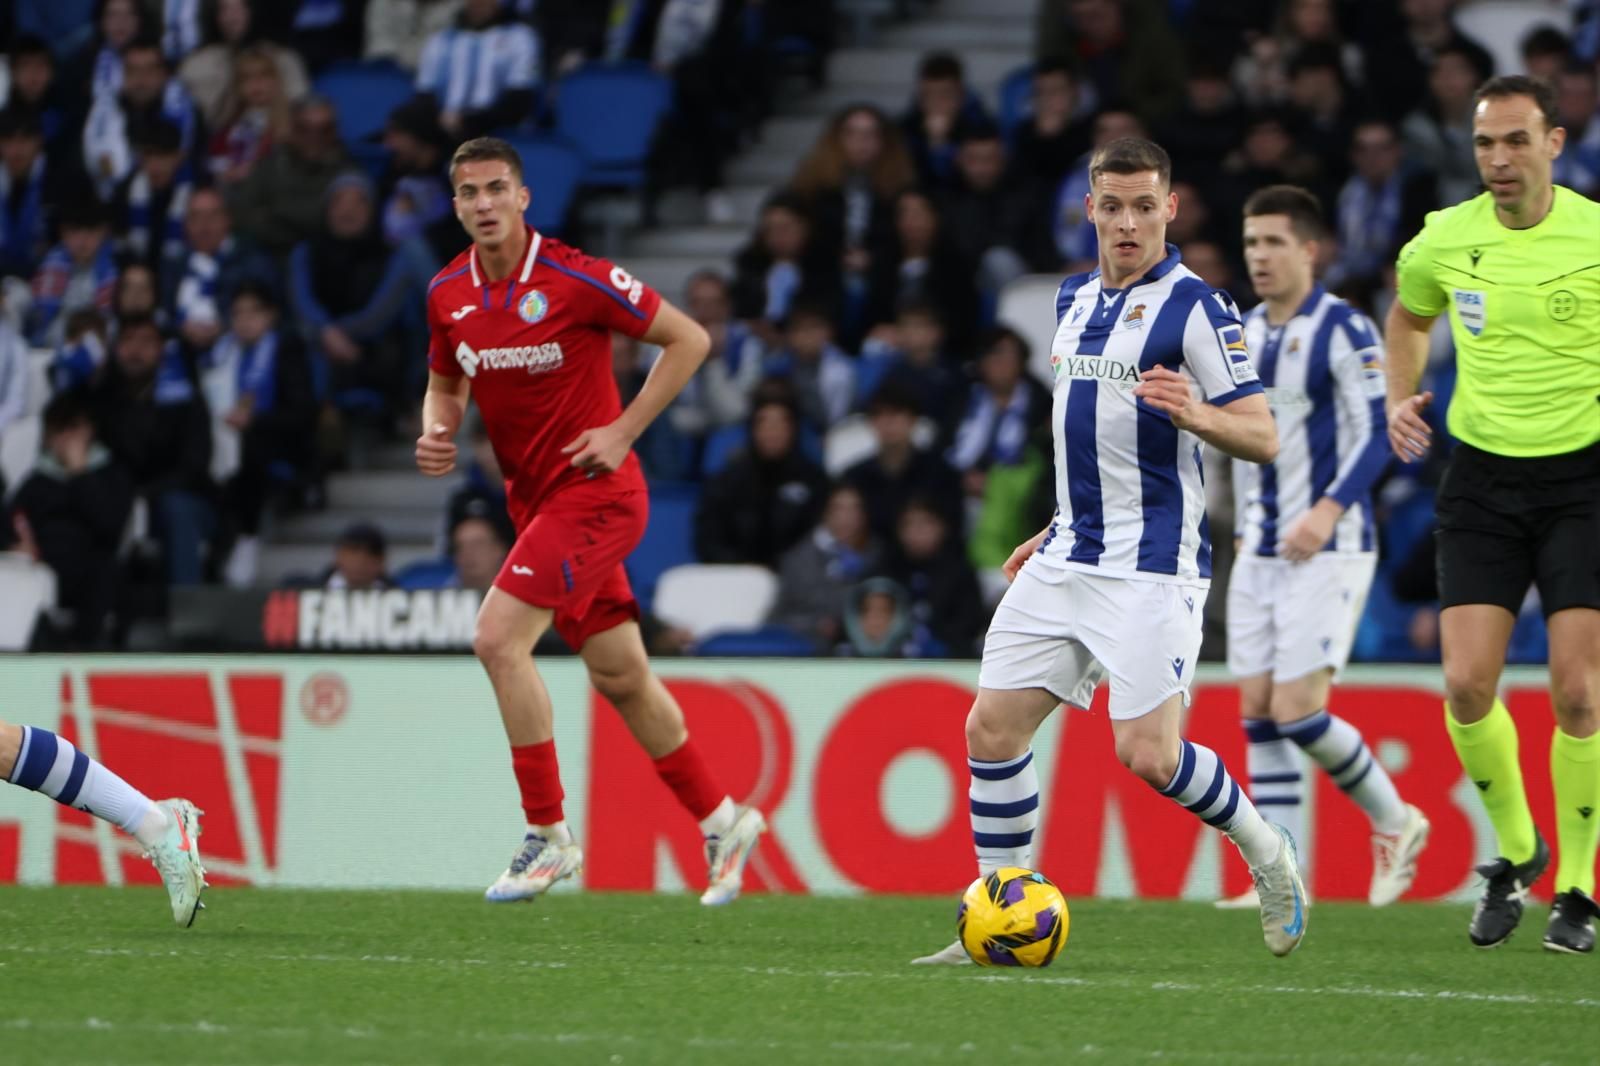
1065,631
1293,619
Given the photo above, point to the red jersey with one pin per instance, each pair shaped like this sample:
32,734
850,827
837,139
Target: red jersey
537,348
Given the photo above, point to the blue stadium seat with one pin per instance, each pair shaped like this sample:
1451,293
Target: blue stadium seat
425,574
364,94
611,111
1016,101
668,540
765,641
553,169
721,446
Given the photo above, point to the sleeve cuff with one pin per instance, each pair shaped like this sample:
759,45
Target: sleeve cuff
1247,389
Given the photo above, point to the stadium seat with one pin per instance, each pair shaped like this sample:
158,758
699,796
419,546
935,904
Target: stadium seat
668,540
1016,101
610,112
1028,305
363,94
26,588
850,440
707,598
721,446
553,170
425,574
762,641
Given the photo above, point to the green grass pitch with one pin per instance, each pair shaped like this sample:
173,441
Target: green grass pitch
101,976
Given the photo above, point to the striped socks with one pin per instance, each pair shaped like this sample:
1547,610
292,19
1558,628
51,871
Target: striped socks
1203,786
1277,786
1004,799
48,764
1337,747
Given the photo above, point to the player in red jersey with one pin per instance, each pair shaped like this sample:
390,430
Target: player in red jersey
522,324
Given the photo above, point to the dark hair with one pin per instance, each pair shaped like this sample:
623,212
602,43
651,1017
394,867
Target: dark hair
921,501
18,121
1131,155
895,395
940,66
29,44
156,135
921,305
1060,66
484,150
1318,55
84,212
710,275
1538,90
1305,213
365,536
255,289
980,128
810,305
1545,40
1481,68
65,410
139,320
145,42
998,335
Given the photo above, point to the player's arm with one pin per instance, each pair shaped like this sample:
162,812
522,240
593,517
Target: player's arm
1418,301
444,405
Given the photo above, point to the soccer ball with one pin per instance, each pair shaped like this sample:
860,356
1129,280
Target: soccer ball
1012,917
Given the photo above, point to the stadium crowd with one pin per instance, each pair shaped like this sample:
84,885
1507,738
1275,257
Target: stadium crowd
232,292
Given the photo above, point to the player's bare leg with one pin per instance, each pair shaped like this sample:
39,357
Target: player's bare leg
1575,774
620,671
506,632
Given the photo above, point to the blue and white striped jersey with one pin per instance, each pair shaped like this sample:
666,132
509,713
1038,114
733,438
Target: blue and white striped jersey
1323,372
1130,492
467,69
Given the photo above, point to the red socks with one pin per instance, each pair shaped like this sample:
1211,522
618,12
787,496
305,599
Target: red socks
687,774
539,778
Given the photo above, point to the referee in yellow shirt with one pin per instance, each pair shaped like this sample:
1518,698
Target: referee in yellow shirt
1517,269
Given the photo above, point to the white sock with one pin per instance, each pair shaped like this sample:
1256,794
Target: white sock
557,833
1277,786
1203,786
1338,748
47,763
152,827
1004,800
719,821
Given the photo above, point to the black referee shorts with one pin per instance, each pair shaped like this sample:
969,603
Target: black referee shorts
1505,523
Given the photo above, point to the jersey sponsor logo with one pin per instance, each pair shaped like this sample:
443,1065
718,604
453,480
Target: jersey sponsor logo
1372,373
1134,319
533,306
535,358
525,571
1239,368
1561,305
626,283
466,310
1283,398
1096,368
1469,309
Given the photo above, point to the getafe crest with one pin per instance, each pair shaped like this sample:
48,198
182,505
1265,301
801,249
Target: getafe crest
533,306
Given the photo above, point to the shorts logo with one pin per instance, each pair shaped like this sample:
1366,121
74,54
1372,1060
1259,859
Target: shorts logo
533,306
1469,309
1561,305
1177,667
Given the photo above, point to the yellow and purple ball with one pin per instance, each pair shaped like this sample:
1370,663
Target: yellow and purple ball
1012,917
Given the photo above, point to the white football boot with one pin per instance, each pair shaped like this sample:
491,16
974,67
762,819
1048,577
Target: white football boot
536,866
177,857
954,955
726,856
1394,858
1283,898
1248,900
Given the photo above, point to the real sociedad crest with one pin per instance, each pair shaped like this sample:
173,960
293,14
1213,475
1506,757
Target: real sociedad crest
533,306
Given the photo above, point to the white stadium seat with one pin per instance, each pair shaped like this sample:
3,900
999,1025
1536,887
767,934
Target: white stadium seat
850,440
26,589
707,598
1028,305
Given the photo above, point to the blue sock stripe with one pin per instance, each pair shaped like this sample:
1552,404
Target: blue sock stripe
1351,761
1215,790
80,769
1261,730
1005,810
1274,779
990,771
1180,779
1003,840
1277,801
15,776
1222,817
1353,782
1308,730
41,758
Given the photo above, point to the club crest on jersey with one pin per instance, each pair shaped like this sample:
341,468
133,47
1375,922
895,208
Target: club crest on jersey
533,306
1134,319
1469,309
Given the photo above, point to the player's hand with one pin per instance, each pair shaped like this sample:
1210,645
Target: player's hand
1013,565
1310,532
1409,433
436,452
1168,392
599,451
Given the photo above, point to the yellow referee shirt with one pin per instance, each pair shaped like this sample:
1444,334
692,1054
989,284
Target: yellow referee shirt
1524,310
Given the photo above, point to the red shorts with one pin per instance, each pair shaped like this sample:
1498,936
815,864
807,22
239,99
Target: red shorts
569,558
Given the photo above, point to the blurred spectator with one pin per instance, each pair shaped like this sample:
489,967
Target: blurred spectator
816,575
1076,245
348,292
148,205
181,27
31,86
1322,108
322,31
823,377
782,259
1055,133
942,102
415,192
257,383
79,361
878,622
482,488
399,29
941,590
718,79
990,221
211,73
281,203
478,547
766,499
136,294
1193,220
899,469
719,393
1207,259
15,375
1578,109
118,23
1126,49
1379,208
912,351
199,278
1438,134
360,559
1268,155
1546,51
922,262
254,117
482,72
30,193
1262,72
1006,407
149,95
1209,116
76,504
155,422
1398,62
77,273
